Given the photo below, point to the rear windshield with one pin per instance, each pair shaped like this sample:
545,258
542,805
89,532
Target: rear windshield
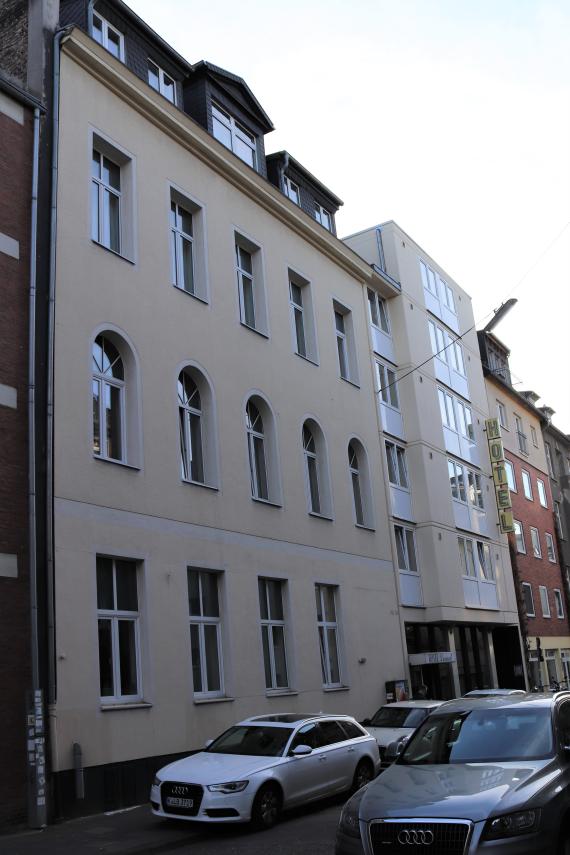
252,740
398,717
481,736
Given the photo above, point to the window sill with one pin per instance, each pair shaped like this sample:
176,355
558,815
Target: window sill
266,502
136,705
364,527
350,382
320,516
112,251
117,462
198,297
279,693
336,689
224,700
200,484
253,329
306,358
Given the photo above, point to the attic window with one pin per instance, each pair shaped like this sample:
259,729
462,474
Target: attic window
292,190
107,36
161,81
234,136
323,217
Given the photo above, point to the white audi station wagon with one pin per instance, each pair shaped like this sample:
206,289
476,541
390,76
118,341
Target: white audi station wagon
265,764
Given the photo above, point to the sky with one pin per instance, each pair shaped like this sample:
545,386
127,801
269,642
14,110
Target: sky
451,117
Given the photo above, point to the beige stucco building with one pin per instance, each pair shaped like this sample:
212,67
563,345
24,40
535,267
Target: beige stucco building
457,600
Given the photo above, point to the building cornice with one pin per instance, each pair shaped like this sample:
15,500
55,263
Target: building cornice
190,135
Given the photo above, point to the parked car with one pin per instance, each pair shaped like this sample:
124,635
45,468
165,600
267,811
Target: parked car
265,764
492,693
397,722
478,776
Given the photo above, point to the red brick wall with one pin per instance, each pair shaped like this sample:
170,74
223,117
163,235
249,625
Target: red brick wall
15,196
537,571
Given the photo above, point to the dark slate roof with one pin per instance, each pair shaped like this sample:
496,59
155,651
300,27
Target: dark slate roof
281,155
226,78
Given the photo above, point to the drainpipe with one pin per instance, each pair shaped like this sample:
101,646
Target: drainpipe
282,172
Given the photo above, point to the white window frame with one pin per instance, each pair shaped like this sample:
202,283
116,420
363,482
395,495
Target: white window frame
535,541
107,380
502,415
378,312
356,481
256,279
293,194
548,453
313,468
238,133
162,87
521,435
527,485
178,237
404,541
201,621
457,472
541,490
396,453
559,603
126,164
544,601
105,28
428,277
323,217
533,436
304,311
526,586
345,344
101,230
271,622
325,626
387,386
550,548
558,519
512,481
253,434
186,413
447,347
116,615
466,551
519,536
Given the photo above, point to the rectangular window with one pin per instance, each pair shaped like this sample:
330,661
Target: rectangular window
475,559
118,624
475,489
328,634
541,492
406,548
388,387
447,409
485,563
527,484
234,136
457,480
249,271
548,453
297,312
205,633
465,418
105,201
521,436
533,436
519,537
273,633
544,603
447,295
378,311
161,81
397,469
428,278
550,552
292,190
107,36
558,519
535,539
559,603
323,217
181,248
302,319
466,557
528,599
502,414
345,343
511,476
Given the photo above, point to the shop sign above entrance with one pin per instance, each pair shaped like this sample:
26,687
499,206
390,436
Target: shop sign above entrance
439,657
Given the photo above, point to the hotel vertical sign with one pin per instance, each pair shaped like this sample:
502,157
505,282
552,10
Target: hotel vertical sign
502,492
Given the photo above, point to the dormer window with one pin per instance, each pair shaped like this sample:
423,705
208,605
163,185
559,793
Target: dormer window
234,136
161,81
292,190
107,36
323,217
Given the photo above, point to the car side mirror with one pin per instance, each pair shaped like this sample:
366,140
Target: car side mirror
365,722
208,742
393,750
301,751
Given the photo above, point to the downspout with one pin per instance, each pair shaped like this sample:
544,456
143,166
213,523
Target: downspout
282,172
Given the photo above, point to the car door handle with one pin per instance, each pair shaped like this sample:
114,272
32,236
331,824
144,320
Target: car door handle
322,758
350,751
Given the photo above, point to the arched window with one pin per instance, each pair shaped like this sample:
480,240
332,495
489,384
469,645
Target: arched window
360,481
190,423
355,478
317,478
108,392
257,451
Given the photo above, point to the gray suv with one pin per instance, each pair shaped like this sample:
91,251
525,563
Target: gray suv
478,776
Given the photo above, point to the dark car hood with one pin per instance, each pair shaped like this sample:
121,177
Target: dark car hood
462,790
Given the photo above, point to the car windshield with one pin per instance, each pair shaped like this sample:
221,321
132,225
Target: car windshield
253,740
398,717
488,735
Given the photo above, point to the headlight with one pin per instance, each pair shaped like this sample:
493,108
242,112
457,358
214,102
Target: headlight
157,782
511,824
349,823
230,787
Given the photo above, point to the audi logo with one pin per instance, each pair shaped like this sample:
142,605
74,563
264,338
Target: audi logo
179,791
415,837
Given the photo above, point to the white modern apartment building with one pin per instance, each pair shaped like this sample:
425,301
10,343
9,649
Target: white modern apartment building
457,601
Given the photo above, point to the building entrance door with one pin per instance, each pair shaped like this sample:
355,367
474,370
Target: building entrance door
434,682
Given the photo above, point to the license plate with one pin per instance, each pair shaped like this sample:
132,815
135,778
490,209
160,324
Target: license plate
172,801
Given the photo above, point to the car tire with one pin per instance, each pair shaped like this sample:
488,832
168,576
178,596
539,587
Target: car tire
363,774
266,807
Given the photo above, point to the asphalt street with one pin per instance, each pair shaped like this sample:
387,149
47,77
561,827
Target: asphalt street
137,832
